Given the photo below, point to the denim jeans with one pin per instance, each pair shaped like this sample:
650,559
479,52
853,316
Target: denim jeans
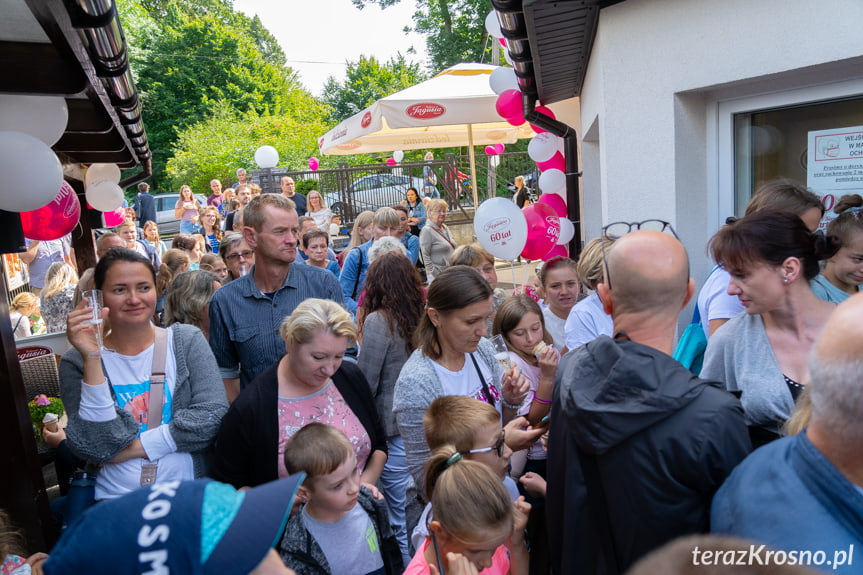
394,479
187,226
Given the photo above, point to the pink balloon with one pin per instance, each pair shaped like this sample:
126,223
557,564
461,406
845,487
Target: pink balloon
54,220
391,161
508,105
489,151
557,203
502,42
557,162
545,112
314,164
114,218
499,148
556,251
543,230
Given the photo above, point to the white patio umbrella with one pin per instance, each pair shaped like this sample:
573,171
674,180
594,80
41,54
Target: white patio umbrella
455,108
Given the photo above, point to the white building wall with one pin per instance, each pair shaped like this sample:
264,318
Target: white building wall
657,73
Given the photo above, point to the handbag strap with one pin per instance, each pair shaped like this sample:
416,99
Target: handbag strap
157,378
489,398
443,235
598,509
359,269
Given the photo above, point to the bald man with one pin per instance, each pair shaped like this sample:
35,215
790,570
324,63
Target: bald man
107,241
638,445
805,492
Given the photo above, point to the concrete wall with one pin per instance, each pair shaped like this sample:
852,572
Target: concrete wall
659,69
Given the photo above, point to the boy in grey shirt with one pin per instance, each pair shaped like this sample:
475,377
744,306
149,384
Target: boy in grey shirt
331,533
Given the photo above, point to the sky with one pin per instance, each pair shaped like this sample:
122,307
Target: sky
319,37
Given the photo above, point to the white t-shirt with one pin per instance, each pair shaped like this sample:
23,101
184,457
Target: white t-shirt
130,380
466,380
714,301
556,326
587,321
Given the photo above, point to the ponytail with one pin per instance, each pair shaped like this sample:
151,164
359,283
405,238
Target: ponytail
466,496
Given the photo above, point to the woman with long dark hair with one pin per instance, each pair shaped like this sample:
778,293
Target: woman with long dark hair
391,309
764,352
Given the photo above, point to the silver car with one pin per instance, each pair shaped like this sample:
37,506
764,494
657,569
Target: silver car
370,193
169,224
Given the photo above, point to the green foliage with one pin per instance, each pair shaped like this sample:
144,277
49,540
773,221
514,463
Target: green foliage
454,29
189,55
306,186
367,81
227,140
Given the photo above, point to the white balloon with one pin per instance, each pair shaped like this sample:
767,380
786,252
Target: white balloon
502,79
101,172
492,25
266,157
398,155
552,182
30,173
567,231
104,196
501,228
43,117
542,147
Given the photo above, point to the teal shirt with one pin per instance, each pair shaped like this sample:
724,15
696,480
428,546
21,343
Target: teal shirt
825,290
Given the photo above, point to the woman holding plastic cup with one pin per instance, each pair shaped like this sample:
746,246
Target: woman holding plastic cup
106,388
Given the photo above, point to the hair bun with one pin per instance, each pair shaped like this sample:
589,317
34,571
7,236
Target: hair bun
848,201
825,246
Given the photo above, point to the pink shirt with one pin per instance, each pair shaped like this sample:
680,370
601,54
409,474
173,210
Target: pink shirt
499,562
325,406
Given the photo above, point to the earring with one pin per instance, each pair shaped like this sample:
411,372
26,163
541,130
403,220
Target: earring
785,280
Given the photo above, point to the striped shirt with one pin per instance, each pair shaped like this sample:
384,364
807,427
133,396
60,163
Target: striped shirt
244,323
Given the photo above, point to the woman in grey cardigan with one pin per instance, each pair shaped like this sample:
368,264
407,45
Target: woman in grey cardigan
452,358
107,391
436,242
764,351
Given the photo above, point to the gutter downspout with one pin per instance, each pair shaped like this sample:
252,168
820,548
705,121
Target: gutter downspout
570,146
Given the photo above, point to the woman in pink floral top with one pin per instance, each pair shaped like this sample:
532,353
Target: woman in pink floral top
310,383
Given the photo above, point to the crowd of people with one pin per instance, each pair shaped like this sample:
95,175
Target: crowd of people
364,387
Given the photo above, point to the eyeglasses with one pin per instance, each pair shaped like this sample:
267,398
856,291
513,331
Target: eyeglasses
497,447
236,257
616,230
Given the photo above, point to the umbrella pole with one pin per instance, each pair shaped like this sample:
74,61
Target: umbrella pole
472,166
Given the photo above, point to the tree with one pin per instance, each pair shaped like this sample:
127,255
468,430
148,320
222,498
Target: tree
227,140
187,55
367,81
455,29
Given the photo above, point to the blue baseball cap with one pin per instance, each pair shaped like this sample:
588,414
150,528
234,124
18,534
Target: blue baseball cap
196,527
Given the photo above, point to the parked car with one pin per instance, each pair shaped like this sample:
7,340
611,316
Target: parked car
370,193
169,224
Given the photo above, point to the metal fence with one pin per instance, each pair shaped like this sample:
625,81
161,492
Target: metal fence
349,190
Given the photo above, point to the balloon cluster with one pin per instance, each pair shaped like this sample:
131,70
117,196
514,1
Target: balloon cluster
495,150
539,231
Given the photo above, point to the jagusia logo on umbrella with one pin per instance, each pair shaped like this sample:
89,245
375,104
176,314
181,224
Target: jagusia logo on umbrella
426,111
367,119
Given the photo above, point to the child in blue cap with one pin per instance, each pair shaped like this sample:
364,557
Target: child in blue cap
192,527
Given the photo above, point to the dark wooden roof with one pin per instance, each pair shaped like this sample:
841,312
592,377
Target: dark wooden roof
76,49
550,43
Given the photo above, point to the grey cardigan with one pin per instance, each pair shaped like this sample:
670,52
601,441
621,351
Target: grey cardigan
417,386
435,250
740,356
381,358
199,402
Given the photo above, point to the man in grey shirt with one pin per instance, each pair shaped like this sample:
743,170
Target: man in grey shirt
246,314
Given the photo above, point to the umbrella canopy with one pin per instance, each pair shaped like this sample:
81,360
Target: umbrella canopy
455,108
